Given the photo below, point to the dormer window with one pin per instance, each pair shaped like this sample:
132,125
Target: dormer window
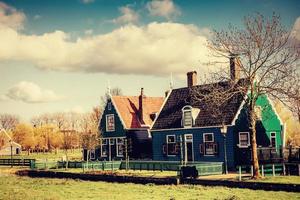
187,116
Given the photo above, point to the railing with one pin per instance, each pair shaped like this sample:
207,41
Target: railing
16,162
278,155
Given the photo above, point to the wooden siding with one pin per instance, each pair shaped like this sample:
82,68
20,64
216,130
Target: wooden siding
159,138
119,129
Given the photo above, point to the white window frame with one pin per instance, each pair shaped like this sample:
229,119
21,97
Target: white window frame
190,141
106,118
213,137
117,146
112,141
102,141
204,143
102,155
183,110
244,146
92,150
167,139
274,138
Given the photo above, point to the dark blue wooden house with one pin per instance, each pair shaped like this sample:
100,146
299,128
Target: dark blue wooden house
186,129
130,118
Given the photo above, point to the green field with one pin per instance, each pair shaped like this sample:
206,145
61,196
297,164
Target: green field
14,187
75,154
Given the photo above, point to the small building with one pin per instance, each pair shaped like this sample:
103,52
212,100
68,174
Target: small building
186,130
130,118
7,145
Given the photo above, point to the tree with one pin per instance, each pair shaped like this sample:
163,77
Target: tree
23,134
267,60
8,122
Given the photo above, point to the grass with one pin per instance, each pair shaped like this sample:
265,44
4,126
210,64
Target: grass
279,179
15,187
72,155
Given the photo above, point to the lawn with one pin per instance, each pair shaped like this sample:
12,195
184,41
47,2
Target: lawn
14,187
72,155
279,179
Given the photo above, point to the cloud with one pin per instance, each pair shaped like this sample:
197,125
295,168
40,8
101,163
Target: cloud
152,49
163,8
29,92
295,33
128,16
10,17
87,1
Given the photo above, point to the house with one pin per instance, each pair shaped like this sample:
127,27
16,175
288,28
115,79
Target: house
7,145
186,130
130,118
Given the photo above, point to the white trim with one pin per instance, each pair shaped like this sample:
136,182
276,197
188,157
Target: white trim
189,141
213,137
198,127
106,122
92,150
244,146
113,142
117,147
273,137
186,108
112,137
101,151
237,114
162,106
117,110
283,131
275,111
167,136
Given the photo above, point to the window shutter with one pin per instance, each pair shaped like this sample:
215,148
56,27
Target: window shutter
177,148
201,149
164,149
216,148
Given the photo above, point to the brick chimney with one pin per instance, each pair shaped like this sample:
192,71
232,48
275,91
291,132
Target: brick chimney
191,78
235,68
140,112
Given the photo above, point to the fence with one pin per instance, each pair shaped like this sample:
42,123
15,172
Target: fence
16,162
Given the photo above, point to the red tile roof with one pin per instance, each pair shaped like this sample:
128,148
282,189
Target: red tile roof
128,107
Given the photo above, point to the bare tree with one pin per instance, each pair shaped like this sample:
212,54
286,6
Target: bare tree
266,58
114,92
8,121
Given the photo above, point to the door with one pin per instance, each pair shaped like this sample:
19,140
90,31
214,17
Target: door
189,151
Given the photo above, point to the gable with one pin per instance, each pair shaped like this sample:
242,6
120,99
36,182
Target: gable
128,109
171,114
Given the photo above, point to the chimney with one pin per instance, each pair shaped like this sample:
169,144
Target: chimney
235,67
191,78
140,112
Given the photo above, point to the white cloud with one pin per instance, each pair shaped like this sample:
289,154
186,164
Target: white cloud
163,8
87,1
128,16
153,49
30,93
10,17
296,30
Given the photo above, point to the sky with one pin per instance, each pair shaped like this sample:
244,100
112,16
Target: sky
62,55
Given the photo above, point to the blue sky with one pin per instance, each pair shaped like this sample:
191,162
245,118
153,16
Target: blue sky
60,55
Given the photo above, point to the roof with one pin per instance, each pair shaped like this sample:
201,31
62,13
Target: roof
128,107
8,138
171,114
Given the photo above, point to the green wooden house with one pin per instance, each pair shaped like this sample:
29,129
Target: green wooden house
186,130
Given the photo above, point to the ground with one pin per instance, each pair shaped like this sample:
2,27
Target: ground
15,187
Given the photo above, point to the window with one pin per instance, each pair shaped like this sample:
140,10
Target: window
209,147
104,148
92,154
208,137
111,141
110,123
244,140
273,140
171,145
109,106
187,117
120,147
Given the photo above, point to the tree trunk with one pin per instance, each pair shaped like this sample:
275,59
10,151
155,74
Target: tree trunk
256,173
